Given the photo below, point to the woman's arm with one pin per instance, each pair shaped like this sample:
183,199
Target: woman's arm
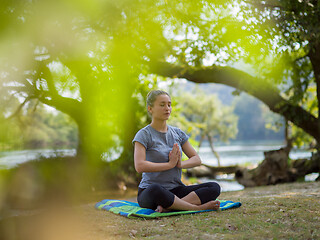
194,159
142,165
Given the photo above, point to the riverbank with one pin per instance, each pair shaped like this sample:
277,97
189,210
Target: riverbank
285,211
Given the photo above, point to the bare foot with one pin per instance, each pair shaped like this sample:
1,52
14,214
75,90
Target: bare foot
160,209
214,205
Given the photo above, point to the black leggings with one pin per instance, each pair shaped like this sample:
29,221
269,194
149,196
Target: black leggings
156,195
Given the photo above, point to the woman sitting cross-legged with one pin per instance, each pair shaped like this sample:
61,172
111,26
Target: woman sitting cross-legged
157,155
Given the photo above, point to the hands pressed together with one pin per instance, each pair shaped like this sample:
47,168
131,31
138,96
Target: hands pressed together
175,156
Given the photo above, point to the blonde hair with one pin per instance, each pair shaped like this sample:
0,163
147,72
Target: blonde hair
152,96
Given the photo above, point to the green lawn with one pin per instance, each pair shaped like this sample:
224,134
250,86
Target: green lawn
286,211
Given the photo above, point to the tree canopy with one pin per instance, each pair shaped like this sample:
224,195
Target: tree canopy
95,60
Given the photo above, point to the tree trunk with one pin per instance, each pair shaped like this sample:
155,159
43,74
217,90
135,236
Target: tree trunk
315,61
81,152
272,170
276,169
213,150
75,110
287,132
289,140
201,140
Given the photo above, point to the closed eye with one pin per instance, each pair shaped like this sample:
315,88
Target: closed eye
164,104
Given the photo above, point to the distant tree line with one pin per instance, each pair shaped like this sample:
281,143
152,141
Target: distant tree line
43,128
256,122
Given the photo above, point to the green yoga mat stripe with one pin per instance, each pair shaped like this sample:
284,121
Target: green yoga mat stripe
133,210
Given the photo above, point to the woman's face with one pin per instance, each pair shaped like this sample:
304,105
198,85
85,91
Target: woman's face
161,109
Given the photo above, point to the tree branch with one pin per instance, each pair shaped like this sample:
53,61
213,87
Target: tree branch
66,105
27,99
256,87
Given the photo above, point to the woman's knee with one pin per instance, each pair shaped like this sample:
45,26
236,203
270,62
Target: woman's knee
209,192
155,195
148,197
216,186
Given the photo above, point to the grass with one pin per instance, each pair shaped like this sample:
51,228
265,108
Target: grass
286,211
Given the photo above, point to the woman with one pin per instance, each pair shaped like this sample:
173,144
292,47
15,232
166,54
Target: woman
157,155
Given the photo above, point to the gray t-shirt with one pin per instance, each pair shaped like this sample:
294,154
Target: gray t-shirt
158,145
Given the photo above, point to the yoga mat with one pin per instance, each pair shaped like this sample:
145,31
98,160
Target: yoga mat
133,210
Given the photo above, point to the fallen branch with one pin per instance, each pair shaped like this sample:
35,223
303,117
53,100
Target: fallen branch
210,171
